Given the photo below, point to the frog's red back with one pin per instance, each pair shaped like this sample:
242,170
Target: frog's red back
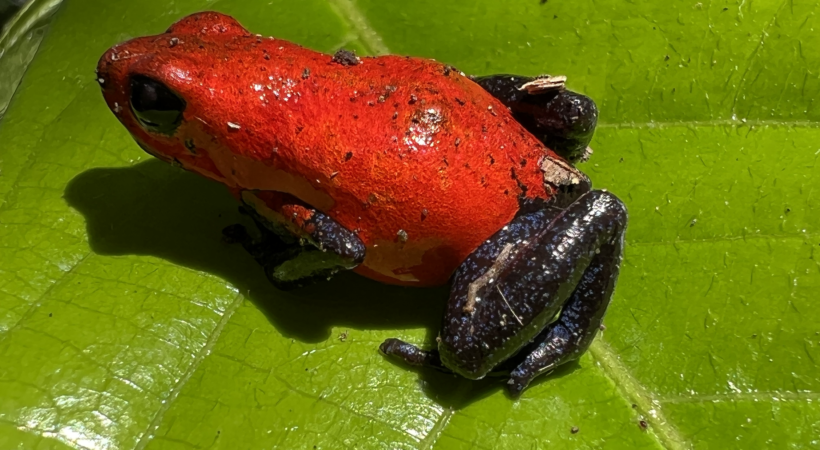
419,160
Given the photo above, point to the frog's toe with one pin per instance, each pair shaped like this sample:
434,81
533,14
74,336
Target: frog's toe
516,385
412,355
404,351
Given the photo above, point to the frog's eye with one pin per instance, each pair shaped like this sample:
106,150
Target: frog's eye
156,107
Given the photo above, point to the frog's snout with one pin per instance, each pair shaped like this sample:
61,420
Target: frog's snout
112,75
113,66
154,106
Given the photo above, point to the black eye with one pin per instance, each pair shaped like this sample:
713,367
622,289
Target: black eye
157,108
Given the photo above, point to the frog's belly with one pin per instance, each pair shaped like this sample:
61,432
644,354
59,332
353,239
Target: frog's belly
422,252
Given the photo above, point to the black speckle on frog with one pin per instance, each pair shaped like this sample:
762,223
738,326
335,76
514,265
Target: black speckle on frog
345,57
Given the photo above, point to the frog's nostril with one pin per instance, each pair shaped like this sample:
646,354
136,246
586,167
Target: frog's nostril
156,107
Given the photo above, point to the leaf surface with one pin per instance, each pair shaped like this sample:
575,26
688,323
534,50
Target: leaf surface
125,322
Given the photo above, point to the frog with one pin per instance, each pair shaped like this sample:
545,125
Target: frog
402,169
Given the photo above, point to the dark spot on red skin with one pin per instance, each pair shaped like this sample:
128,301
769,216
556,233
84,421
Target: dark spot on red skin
460,101
413,99
458,142
306,74
189,144
424,214
345,58
395,115
348,155
521,185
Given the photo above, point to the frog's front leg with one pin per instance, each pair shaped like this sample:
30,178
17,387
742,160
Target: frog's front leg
298,244
505,296
563,120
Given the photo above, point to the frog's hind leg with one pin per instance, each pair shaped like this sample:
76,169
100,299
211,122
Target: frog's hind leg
506,295
581,316
563,120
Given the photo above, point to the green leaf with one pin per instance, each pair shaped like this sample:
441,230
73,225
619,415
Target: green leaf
125,322
19,39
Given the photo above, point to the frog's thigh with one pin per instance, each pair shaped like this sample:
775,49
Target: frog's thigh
508,292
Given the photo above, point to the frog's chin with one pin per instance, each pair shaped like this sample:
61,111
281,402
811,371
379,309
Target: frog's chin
147,149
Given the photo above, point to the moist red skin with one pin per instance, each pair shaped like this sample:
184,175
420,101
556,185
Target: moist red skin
392,143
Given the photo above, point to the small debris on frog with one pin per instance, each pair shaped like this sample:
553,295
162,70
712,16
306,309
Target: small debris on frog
343,336
345,57
543,84
587,153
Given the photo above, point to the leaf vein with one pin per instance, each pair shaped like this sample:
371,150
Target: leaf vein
147,435
609,363
35,304
348,12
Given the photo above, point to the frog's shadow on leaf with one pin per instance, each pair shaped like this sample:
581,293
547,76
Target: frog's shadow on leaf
155,209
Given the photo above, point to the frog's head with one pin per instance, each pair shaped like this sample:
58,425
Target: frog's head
176,92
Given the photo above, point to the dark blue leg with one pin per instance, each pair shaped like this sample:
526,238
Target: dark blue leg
505,297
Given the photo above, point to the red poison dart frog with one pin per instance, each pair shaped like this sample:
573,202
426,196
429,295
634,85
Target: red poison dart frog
402,169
